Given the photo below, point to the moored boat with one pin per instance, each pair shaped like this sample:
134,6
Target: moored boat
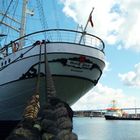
76,61
115,113
109,117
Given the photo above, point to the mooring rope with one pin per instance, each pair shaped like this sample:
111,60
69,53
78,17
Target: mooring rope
53,121
51,91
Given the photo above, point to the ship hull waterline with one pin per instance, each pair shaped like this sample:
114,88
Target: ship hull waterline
121,118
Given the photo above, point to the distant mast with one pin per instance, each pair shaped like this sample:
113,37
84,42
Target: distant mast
135,109
23,22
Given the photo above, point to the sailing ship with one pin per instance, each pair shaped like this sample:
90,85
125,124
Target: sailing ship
76,60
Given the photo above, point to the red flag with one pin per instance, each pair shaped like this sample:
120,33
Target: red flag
90,20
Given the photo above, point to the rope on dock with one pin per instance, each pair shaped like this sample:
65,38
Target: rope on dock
54,122
51,120
58,124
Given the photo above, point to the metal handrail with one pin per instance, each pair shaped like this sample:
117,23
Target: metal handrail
64,36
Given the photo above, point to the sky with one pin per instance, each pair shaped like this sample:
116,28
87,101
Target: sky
116,22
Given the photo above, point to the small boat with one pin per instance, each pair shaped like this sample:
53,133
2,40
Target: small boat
115,113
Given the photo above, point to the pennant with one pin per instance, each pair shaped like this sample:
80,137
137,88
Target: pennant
90,20
90,17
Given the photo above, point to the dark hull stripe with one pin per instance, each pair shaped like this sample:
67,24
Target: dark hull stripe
52,75
120,118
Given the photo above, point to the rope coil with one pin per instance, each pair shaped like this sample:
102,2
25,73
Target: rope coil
32,109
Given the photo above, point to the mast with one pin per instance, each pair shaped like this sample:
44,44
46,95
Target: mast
135,109
23,22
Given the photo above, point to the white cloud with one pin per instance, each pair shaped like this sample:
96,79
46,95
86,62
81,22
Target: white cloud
107,67
116,21
132,78
101,96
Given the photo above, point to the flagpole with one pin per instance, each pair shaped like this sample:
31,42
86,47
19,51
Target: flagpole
84,31
88,19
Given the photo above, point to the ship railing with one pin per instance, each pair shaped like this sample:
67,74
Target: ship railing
61,36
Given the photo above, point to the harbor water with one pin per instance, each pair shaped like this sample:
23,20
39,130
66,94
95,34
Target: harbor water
100,129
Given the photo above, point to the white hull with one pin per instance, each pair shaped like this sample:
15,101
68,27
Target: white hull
73,75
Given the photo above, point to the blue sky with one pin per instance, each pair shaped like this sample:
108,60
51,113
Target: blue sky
117,23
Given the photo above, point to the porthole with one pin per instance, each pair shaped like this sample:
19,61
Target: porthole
1,63
21,55
9,60
5,62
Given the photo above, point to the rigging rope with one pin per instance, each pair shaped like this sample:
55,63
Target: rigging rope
43,18
56,18
16,5
41,15
6,11
55,14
